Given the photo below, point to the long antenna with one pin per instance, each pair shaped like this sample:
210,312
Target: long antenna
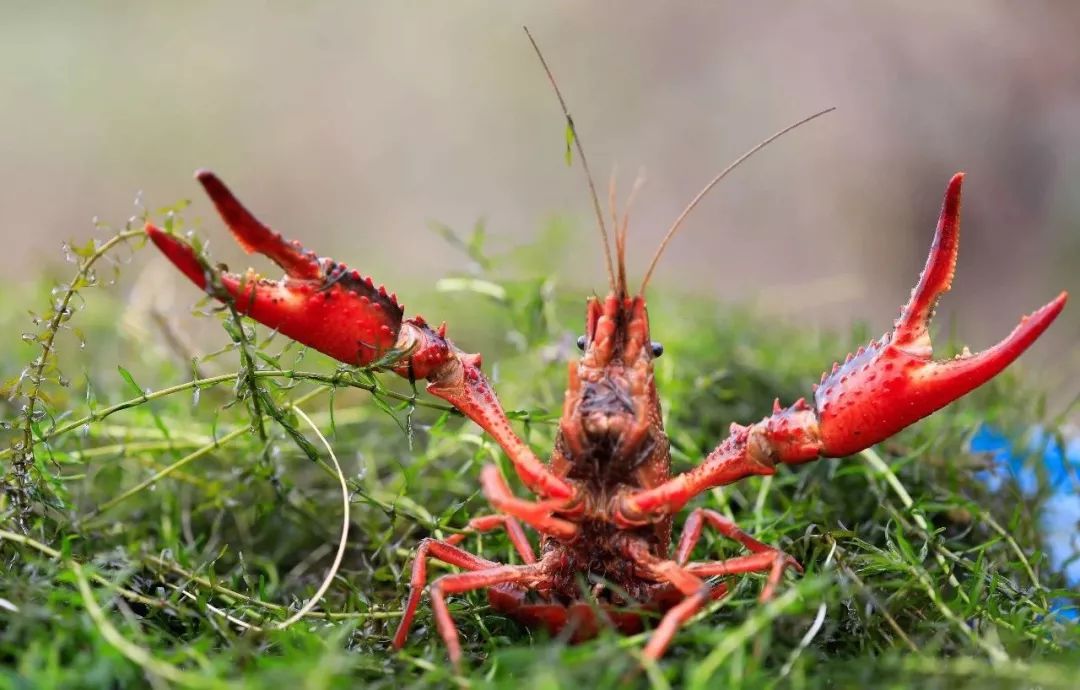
584,162
613,207
621,229
705,190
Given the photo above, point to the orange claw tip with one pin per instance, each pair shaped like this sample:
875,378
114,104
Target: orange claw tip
950,206
966,372
216,188
1031,326
247,230
255,237
178,252
937,276
1058,303
1039,320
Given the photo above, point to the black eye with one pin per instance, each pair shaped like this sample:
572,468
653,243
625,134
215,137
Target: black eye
581,343
657,349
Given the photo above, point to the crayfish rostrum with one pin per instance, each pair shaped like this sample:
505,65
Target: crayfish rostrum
606,496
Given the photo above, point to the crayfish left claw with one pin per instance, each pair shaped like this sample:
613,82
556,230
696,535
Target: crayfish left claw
320,303
894,381
333,309
254,237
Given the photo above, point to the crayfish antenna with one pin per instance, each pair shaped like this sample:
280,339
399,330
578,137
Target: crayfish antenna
622,226
712,183
620,247
572,133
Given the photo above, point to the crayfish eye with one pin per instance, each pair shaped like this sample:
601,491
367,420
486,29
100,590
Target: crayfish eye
581,343
657,349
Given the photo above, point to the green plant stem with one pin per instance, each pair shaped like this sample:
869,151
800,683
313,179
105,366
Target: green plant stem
53,553
702,675
134,653
59,312
334,380
237,597
190,457
166,471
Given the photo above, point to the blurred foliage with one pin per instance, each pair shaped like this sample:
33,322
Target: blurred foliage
156,535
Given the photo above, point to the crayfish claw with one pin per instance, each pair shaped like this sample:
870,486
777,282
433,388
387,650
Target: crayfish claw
894,381
320,303
179,253
970,370
911,332
254,237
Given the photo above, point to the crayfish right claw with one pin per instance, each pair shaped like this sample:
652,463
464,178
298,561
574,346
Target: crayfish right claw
912,328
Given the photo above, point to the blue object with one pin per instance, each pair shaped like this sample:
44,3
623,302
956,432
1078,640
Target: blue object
1060,517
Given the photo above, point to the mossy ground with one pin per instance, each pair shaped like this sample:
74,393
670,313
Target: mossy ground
171,505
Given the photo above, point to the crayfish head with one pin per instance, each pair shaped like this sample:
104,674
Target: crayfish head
611,404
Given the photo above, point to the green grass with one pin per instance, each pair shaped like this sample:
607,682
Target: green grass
171,516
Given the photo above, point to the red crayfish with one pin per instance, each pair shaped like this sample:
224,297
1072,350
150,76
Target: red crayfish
607,495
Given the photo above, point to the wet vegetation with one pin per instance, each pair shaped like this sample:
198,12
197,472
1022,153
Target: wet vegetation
170,519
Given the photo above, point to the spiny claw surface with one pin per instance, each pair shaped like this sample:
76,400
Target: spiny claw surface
894,381
254,237
320,303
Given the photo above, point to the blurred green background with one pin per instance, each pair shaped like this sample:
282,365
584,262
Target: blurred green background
353,126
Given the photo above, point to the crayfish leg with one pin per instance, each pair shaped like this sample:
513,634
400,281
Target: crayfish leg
523,575
444,551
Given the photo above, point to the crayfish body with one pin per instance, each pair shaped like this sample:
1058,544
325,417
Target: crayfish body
607,495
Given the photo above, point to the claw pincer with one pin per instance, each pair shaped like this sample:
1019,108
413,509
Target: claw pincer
320,303
335,310
877,391
894,381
